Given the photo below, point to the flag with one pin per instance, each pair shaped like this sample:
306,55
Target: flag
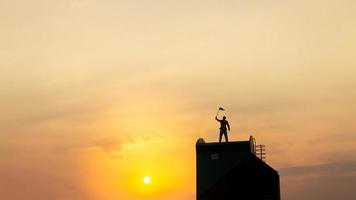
221,109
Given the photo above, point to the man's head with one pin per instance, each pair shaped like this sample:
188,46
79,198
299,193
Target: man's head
224,117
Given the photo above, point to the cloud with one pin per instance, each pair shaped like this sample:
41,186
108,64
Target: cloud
328,168
113,146
117,155
37,169
320,187
329,181
109,145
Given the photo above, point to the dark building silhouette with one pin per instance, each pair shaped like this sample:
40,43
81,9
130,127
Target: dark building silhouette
232,171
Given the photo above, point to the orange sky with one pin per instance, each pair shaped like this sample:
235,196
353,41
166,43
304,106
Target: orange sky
95,95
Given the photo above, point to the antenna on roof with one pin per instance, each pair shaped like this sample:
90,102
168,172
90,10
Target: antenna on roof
261,152
258,150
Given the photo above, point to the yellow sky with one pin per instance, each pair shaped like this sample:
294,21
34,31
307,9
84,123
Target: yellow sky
95,95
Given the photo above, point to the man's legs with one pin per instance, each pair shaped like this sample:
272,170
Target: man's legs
225,135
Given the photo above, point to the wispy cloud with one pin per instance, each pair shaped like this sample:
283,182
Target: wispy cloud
327,168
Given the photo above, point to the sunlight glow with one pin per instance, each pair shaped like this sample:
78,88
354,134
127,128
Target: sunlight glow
147,180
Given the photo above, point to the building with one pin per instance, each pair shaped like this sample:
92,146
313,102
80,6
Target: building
232,171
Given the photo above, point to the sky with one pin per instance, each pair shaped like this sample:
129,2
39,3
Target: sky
96,95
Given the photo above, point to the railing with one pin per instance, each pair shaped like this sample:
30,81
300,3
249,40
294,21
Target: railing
261,152
258,150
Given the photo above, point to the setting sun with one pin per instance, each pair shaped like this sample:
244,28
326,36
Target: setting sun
147,180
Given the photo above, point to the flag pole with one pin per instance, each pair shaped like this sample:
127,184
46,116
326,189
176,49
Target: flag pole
217,112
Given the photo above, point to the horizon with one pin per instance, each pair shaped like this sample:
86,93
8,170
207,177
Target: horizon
104,100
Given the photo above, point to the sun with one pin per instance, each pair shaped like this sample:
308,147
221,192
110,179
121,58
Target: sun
147,180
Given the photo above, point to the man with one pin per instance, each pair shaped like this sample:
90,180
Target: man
223,131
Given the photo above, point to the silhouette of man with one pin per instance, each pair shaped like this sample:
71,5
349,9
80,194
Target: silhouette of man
223,125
